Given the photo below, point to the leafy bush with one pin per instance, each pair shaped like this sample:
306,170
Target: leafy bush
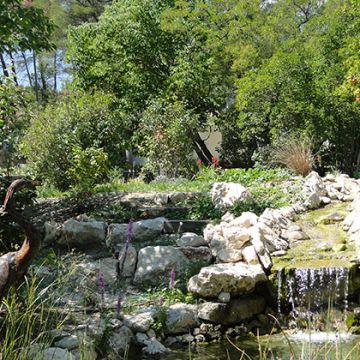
165,133
87,167
79,126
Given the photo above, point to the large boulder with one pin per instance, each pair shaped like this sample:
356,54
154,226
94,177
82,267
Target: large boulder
225,195
83,234
181,318
234,312
141,231
156,262
236,279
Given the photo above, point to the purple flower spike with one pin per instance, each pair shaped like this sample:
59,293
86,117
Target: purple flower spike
101,284
161,301
172,279
119,304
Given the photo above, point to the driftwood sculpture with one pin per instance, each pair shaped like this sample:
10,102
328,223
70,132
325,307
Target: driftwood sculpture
14,265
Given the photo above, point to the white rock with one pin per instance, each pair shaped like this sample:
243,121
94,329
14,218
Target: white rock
140,322
191,239
83,234
181,318
142,230
225,195
161,198
250,255
236,279
224,297
313,201
156,262
246,220
227,217
314,184
325,200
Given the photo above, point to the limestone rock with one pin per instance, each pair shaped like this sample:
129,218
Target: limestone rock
83,234
161,198
237,310
140,322
225,195
236,279
156,262
313,201
127,260
120,340
177,197
224,297
53,232
191,239
56,353
142,230
201,255
315,184
250,255
245,220
181,318
154,348
70,342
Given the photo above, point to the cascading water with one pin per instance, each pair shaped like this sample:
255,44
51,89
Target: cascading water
312,291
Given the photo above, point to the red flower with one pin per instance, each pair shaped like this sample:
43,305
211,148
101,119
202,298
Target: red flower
199,162
215,161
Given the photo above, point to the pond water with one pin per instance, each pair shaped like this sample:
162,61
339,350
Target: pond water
299,346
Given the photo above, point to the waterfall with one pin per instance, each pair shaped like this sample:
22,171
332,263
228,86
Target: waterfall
311,291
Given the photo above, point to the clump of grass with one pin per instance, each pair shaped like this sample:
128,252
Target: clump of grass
295,154
28,315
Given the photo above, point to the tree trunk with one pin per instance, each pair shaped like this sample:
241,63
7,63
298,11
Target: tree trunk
55,71
13,69
202,150
3,65
36,87
43,81
27,68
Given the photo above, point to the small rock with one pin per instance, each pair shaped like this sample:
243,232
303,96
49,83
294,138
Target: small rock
279,253
325,200
55,353
339,247
225,195
224,297
69,342
191,239
181,318
154,348
161,199
140,322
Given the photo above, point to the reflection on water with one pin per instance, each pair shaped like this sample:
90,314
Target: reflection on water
322,346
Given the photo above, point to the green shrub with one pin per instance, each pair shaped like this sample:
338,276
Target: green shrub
77,129
87,167
165,138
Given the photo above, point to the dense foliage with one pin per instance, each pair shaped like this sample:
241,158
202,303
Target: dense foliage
259,72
